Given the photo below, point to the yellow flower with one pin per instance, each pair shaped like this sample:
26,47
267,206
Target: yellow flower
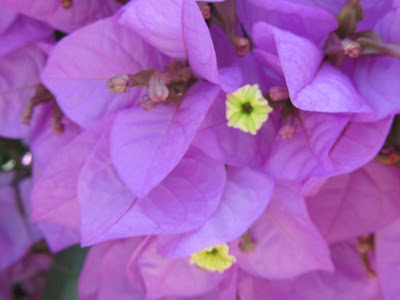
247,109
214,258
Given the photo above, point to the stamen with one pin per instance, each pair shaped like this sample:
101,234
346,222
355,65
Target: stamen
366,245
247,245
42,95
56,124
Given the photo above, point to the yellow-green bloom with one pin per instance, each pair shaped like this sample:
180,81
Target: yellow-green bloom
214,258
247,109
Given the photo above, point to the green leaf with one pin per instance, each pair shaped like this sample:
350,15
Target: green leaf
62,280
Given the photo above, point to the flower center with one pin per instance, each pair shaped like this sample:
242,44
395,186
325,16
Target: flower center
213,259
247,109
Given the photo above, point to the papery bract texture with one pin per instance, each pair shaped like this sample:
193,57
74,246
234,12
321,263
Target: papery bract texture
387,259
19,74
349,281
14,237
232,146
54,197
287,242
313,22
175,32
183,201
104,275
154,272
77,73
246,194
155,141
356,203
325,145
81,13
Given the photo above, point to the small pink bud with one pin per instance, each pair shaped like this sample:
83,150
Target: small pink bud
351,48
158,91
206,11
66,4
287,131
119,84
26,159
242,46
278,93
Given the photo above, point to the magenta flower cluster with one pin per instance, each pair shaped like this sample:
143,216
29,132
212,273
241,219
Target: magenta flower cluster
115,133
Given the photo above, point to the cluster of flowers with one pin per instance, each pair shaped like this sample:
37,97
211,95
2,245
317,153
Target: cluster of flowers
237,149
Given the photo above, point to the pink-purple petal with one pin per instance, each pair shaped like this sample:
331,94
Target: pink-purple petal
287,242
185,199
247,193
356,203
77,73
154,141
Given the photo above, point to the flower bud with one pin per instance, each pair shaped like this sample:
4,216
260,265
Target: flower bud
278,93
351,48
158,91
119,84
242,46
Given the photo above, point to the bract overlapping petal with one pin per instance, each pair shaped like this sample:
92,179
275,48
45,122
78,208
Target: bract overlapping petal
104,275
387,259
287,242
77,73
325,145
79,14
349,281
356,203
155,141
19,74
154,271
175,32
14,237
54,196
229,145
247,193
183,201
